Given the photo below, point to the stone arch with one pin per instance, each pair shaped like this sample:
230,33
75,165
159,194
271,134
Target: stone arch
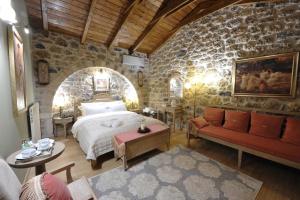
46,93
78,87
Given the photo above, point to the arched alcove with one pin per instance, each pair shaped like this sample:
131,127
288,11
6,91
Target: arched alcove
79,87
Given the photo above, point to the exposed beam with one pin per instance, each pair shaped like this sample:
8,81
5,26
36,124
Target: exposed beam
202,9
44,9
128,10
88,20
166,8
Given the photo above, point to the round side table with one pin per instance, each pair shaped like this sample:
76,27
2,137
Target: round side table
38,163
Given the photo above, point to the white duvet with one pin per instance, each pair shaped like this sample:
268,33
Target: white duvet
94,132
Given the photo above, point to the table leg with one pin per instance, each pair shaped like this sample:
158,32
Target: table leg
65,130
125,163
39,169
54,130
174,122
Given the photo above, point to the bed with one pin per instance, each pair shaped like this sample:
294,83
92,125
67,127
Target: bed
100,120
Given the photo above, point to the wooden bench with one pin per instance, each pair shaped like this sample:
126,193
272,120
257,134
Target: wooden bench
131,144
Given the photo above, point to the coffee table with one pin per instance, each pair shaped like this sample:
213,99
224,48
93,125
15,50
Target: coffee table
38,163
131,144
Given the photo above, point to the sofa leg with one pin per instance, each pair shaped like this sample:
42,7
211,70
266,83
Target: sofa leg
240,156
188,139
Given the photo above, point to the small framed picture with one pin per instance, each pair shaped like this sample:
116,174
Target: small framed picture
140,77
101,84
43,72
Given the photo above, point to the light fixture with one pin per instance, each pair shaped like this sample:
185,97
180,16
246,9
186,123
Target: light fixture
7,13
26,30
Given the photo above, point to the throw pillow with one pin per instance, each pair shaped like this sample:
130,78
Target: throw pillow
266,125
236,120
214,116
292,131
200,122
45,186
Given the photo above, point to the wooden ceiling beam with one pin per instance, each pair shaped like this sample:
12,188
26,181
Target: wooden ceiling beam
166,8
44,9
128,10
88,20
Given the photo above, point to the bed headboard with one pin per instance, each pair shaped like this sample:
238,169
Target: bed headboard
100,97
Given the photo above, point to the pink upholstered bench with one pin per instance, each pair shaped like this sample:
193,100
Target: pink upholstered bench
130,144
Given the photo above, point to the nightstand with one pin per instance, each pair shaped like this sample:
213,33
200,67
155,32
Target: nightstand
61,121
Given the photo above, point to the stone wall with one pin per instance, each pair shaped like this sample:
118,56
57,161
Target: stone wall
210,46
79,87
65,56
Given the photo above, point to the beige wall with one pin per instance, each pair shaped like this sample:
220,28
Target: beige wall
13,130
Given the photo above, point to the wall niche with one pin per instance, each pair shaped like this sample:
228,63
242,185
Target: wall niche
79,87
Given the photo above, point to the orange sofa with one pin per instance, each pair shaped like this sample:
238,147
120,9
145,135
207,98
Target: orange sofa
272,137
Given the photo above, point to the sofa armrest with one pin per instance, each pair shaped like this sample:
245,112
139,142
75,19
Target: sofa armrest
67,167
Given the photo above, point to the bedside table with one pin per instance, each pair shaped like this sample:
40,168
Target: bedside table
61,121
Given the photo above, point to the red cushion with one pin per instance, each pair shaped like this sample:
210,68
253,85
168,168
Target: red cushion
266,125
54,188
200,122
237,121
267,145
292,131
214,116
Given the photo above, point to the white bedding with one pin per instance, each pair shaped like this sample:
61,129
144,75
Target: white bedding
94,132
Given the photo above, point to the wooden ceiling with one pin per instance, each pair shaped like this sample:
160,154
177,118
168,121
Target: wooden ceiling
137,25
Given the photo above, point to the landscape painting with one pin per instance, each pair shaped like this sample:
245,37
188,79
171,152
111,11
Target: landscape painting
266,76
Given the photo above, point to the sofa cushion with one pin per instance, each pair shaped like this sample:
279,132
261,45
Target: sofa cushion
292,131
200,122
214,116
266,125
271,146
237,121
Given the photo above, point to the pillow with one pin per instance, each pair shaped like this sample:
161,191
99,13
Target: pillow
45,186
200,122
102,107
237,121
214,116
93,110
266,125
292,131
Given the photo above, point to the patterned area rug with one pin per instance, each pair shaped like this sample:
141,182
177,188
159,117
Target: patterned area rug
177,174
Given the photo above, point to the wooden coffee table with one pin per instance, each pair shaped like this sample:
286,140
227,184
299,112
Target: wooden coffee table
131,144
38,163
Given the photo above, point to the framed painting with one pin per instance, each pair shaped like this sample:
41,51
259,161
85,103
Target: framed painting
266,76
17,71
101,84
140,78
43,72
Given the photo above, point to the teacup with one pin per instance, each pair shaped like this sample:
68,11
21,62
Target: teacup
44,143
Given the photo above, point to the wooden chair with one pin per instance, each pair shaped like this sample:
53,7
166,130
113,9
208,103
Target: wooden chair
10,187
